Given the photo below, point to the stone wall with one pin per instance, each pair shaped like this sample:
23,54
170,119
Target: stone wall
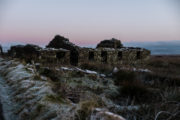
54,56
61,51
113,56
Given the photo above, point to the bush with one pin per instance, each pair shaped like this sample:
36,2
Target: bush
85,110
124,76
55,98
135,91
49,73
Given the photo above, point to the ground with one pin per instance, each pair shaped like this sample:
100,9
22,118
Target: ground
95,92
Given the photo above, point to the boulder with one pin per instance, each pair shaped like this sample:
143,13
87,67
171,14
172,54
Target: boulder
113,43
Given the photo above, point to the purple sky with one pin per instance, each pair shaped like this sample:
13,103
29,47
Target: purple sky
86,22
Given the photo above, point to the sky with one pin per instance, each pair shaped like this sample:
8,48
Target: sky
86,22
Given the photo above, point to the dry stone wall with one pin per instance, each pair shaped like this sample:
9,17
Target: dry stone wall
113,56
61,51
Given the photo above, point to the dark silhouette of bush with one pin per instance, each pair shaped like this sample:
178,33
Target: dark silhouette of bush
27,52
124,76
49,73
62,42
112,43
135,91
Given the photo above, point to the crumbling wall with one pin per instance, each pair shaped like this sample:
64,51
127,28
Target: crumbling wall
55,56
27,52
61,51
114,56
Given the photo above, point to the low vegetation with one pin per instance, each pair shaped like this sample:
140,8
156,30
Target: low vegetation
135,95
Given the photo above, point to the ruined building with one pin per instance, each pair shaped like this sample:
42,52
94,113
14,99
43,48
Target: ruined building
61,51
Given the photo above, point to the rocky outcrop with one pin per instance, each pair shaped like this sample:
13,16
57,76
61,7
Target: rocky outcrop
113,43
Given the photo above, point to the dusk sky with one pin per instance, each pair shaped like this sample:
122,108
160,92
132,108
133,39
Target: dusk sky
86,22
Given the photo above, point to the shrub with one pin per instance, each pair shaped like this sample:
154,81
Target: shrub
122,76
135,90
85,110
49,73
55,98
37,77
170,94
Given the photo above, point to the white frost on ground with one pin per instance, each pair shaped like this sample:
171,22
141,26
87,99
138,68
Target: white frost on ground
26,92
132,69
141,70
30,94
5,98
102,114
81,70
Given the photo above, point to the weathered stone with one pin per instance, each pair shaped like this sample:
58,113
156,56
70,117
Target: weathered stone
112,56
113,43
55,56
61,42
61,51
16,51
28,52
23,50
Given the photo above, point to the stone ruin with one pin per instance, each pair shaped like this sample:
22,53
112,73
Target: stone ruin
61,51
60,42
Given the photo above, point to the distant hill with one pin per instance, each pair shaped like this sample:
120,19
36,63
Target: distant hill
159,48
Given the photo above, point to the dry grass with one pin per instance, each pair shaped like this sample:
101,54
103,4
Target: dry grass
165,65
97,67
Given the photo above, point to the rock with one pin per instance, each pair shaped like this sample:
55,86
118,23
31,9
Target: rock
113,43
115,70
102,114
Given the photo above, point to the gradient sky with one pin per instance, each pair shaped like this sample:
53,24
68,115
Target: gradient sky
86,22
